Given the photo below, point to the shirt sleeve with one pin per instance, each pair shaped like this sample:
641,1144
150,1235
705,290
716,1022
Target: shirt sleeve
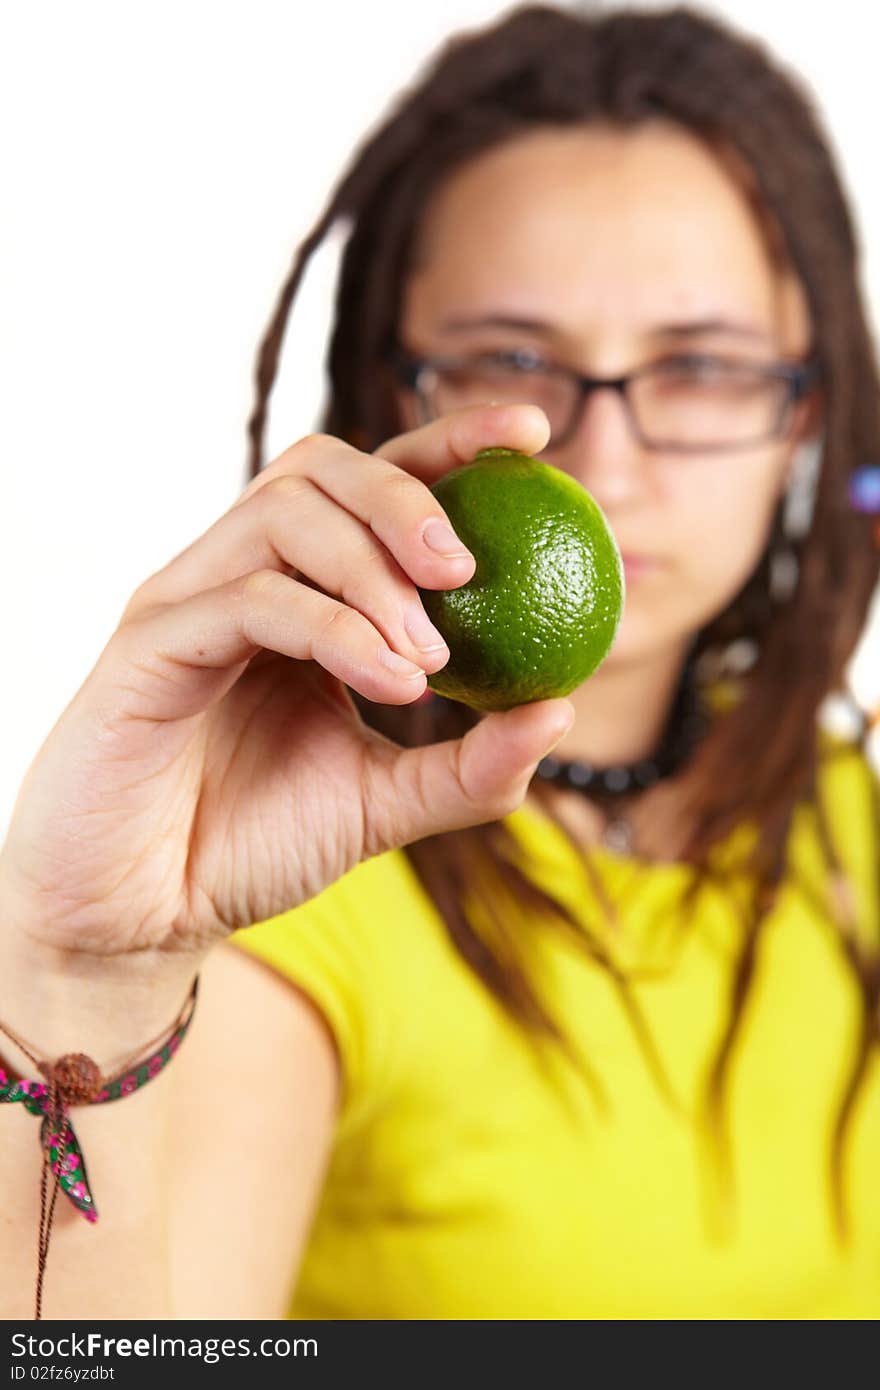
346,949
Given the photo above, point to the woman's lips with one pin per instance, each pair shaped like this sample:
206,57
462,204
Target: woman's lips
635,565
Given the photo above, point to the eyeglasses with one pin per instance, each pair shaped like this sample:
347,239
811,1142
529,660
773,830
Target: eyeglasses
690,403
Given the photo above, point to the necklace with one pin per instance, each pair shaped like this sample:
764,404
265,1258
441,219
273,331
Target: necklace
687,723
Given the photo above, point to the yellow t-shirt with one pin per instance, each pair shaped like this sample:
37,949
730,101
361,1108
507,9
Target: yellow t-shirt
471,1179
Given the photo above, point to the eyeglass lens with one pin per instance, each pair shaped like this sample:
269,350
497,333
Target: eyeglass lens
708,405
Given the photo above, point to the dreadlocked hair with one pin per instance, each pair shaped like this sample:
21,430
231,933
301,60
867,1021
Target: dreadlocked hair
540,66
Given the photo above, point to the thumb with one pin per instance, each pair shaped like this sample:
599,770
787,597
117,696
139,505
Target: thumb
481,777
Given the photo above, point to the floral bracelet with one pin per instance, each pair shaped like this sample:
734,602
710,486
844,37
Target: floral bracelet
76,1080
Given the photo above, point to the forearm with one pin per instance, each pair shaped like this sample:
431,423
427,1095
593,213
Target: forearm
111,1008
118,1266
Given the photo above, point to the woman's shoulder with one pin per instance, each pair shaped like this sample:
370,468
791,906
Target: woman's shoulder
835,839
843,760
848,790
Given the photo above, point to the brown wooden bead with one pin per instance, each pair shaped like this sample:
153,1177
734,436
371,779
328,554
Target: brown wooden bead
76,1077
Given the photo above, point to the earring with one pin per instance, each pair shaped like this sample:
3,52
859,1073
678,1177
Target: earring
795,520
864,495
864,489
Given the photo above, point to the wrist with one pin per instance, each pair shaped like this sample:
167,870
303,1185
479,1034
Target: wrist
61,1001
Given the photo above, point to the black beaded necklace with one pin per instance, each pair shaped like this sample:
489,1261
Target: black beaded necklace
687,723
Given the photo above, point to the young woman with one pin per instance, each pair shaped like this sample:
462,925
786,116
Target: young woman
498,1034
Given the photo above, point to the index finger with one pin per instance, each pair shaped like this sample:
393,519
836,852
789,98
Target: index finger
434,449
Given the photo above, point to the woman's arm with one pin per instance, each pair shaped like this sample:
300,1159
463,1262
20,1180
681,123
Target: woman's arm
255,1107
212,772
205,1180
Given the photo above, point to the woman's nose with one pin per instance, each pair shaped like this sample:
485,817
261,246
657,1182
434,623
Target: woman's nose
603,452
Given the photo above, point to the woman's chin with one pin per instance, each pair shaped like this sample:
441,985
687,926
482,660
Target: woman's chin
641,641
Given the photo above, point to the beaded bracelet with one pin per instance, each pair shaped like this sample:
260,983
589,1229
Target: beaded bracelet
76,1080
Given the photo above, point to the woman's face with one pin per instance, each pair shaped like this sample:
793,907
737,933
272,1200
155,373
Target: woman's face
605,250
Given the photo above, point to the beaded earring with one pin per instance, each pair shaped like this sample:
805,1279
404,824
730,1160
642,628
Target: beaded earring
864,494
796,518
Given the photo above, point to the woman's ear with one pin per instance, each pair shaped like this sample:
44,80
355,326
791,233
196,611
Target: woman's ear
809,416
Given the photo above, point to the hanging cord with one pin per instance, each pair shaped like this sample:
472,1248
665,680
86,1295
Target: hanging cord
76,1080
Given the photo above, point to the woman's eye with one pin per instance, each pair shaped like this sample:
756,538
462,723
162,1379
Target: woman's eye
513,360
696,365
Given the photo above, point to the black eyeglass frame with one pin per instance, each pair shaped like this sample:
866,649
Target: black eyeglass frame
799,377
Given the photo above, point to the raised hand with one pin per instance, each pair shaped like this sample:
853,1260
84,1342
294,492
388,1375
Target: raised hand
212,769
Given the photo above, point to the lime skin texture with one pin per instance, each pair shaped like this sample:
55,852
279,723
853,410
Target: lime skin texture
542,609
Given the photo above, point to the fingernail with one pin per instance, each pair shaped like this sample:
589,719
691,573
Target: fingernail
442,539
399,664
421,630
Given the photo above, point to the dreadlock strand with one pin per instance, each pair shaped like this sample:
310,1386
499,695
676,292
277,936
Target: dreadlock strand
270,346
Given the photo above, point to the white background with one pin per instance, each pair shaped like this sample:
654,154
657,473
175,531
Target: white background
160,161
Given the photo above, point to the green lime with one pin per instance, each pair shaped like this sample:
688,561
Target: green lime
546,598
